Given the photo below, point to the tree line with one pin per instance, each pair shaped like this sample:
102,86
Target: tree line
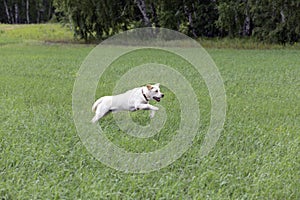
26,11
275,21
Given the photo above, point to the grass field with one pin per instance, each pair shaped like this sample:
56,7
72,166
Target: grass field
42,157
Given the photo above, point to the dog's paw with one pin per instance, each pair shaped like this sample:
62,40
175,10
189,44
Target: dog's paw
95,119
152,114
155,108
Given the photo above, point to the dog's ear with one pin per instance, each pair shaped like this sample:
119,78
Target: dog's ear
149,86
157,84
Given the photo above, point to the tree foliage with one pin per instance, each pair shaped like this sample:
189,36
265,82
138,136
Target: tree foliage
276,21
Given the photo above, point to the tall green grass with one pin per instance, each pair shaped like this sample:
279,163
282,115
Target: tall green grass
57,33
243,43
35,33
42,157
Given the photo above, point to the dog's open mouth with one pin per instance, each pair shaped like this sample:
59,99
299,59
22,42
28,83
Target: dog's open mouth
156,99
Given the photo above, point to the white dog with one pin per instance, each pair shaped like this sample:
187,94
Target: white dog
132,100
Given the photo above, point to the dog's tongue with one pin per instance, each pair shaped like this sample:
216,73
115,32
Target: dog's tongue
156,99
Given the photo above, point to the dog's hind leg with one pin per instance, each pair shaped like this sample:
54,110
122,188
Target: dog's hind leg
100,112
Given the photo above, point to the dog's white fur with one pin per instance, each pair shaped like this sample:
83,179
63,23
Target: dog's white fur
132,100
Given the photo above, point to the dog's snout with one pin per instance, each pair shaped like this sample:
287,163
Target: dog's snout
162,95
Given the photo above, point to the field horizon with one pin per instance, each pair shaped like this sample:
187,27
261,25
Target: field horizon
55,33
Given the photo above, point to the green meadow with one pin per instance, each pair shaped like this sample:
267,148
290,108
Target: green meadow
42,156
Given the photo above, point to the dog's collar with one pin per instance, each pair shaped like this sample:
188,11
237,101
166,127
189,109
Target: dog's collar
144,95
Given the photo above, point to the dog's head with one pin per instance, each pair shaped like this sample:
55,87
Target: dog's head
154,92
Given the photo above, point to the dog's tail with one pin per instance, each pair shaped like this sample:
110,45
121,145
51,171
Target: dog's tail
94,107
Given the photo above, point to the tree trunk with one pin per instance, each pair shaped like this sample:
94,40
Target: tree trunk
154,13
190,19
49,11
38,13
247,22
16,13
247,28
27,12
282,16
7,12
142,7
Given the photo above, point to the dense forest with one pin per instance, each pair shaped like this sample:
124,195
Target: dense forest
275,21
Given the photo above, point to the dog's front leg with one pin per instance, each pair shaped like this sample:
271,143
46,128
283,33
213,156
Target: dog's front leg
148,107
152,113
